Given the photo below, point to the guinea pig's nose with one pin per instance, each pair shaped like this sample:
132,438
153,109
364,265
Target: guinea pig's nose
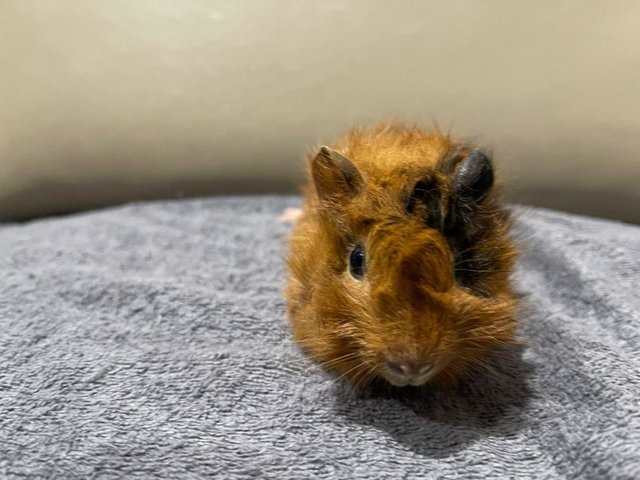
409,369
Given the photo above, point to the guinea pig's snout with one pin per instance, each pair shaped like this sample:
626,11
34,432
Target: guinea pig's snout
408,372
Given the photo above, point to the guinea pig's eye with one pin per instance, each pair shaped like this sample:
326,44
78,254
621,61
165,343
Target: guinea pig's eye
357,262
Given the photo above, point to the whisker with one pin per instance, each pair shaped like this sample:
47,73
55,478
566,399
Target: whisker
358,365
474,364
476,270
365,376
371,374
337,360
325,363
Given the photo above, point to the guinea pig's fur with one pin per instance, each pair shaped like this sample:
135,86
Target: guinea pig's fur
432,296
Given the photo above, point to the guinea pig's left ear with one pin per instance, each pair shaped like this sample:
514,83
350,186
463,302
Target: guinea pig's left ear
473,177
335,177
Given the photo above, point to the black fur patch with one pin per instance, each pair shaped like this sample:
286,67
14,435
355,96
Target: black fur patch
471,267
469,220
426,193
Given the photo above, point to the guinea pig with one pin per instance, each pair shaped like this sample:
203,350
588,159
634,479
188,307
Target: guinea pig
400,262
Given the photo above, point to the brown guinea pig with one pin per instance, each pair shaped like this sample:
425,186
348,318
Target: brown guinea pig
400,260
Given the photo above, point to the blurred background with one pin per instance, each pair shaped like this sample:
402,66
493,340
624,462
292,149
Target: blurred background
105,102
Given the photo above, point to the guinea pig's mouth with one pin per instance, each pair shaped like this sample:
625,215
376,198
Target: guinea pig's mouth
401,375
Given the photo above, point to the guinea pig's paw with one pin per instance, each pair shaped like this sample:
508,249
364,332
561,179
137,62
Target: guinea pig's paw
290,215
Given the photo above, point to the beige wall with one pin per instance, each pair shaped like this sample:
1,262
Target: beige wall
107,101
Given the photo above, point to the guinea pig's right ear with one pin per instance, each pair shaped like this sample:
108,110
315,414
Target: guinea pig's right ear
335,177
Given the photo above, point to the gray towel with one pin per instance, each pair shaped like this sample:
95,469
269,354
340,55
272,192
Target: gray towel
150,341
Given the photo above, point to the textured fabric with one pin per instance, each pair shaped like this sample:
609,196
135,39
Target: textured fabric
151,341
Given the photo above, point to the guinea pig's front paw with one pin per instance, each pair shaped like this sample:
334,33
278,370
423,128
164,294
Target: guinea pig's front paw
290,215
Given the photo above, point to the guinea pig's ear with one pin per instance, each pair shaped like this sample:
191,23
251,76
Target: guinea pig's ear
473,177
335,177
